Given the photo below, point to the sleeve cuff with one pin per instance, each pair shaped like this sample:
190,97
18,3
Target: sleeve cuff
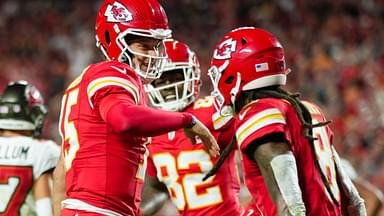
189,120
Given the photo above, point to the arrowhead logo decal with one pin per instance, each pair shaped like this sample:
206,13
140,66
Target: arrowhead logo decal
225,49
118,13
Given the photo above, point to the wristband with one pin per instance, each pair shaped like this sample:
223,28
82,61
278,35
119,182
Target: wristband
193,122
43,207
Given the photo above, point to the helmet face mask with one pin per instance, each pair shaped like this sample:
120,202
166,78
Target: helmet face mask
122,19
246,59
22,108
146,55
214,74
180,81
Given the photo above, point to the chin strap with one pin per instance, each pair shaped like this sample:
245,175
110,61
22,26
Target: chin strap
235,90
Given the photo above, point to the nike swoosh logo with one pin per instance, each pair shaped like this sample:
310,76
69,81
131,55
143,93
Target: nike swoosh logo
241,115
124,71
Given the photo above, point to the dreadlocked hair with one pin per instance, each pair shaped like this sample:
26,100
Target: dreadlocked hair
293,98
302,113
220,161
272,92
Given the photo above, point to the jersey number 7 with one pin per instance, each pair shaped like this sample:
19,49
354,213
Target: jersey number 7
15,183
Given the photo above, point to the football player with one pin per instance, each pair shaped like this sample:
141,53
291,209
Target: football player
26,162
104,120
290,165
180,164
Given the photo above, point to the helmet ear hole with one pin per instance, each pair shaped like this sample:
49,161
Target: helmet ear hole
243,41
229,80
107,37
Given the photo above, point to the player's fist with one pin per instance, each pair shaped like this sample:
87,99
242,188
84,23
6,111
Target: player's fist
199,129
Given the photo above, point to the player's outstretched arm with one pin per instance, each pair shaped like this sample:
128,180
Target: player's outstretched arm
355,204
58,186
278,167
197,128
124,116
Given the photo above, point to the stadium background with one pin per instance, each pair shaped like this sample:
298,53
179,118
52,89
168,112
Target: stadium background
334,48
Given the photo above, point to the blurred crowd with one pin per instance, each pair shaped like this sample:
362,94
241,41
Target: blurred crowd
333,47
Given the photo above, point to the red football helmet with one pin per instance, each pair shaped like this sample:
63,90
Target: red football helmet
118,19
246,58
174,91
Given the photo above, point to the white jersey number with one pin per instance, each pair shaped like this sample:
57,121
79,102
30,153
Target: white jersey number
70,133
15,183
185,190
324,153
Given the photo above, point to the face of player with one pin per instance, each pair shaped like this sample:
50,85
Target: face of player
143,49
169,77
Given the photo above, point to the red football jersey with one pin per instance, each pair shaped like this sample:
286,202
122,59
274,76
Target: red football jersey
181,165
266,116
103,168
